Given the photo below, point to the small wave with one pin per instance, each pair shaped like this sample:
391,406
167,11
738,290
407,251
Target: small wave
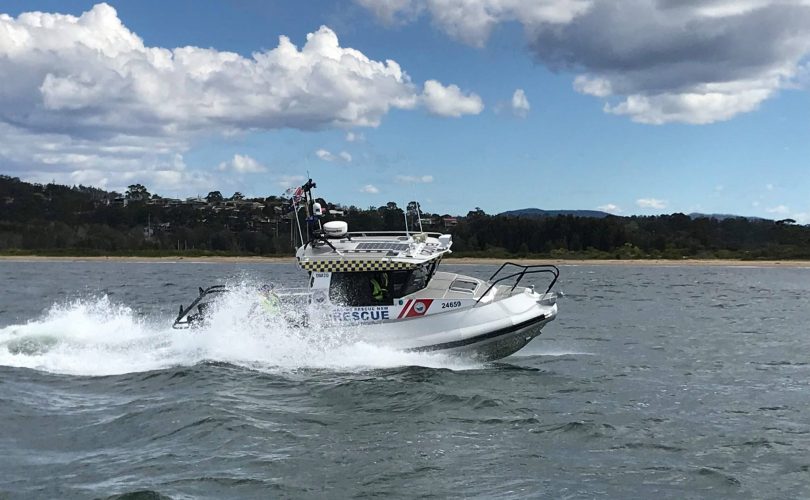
140,495
721,476
649,446
560,353
475,402
785,363
498,421
590,429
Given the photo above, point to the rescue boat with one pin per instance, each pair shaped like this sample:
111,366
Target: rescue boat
388,289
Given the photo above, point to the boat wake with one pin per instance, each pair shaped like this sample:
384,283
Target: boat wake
94,336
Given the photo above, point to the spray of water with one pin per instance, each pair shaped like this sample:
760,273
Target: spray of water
94,336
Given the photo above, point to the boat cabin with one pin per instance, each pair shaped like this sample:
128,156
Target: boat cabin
371,269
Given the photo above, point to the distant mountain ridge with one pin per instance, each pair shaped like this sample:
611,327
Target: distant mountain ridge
538,213
598,214
697,215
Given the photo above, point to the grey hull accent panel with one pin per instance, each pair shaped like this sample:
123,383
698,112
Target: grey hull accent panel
480,338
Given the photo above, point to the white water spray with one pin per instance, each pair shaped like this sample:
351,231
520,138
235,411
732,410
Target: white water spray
94,336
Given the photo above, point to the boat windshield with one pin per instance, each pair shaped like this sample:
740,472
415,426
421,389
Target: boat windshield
407,282
378,287
351,289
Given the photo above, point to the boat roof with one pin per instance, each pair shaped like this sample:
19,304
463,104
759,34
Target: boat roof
373,251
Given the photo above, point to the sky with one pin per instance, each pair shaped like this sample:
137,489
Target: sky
632,107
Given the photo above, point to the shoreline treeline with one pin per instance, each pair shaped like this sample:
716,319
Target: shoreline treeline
54,219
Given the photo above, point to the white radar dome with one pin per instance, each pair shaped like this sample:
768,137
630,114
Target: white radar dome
335,229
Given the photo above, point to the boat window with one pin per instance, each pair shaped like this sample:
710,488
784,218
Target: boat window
398,282
460,285
359,289
407,282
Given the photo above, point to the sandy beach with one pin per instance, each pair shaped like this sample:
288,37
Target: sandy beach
463,260
147,260
641,262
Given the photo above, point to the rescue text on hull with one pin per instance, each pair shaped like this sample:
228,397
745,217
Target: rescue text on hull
386,287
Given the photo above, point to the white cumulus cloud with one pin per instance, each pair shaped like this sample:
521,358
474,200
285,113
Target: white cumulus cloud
472,21
695,108
370,189
155,162
598,87
414,179
450,100
355,137
520,103
94,74
654,61
610,208
83,97
778,210
801,217
326,155
242,164
392,11
651,203
288,181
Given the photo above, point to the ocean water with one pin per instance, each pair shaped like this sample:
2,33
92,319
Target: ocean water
665,382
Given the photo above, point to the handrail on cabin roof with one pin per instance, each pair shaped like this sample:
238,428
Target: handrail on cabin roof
392,233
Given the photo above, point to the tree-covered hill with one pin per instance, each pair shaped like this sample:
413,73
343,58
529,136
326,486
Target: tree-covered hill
81,220
537,212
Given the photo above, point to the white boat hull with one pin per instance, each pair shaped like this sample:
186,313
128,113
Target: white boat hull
486,331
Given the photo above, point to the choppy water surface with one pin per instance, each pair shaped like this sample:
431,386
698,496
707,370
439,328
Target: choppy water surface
683,382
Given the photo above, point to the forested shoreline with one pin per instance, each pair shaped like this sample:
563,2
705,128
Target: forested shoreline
53,219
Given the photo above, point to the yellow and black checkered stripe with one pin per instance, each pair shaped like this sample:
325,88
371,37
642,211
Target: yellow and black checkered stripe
352,265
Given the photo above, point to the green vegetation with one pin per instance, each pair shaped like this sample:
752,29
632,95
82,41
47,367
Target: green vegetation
675,236
58,220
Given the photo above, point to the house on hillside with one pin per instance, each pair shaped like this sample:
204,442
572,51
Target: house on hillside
430,221
250,205
449,221
197,202
164,202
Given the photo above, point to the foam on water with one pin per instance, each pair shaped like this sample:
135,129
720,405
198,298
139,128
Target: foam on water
94,336
552,352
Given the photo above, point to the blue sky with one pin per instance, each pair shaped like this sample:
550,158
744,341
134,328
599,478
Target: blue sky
646,108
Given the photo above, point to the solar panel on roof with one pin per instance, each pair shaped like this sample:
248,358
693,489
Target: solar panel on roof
383,246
